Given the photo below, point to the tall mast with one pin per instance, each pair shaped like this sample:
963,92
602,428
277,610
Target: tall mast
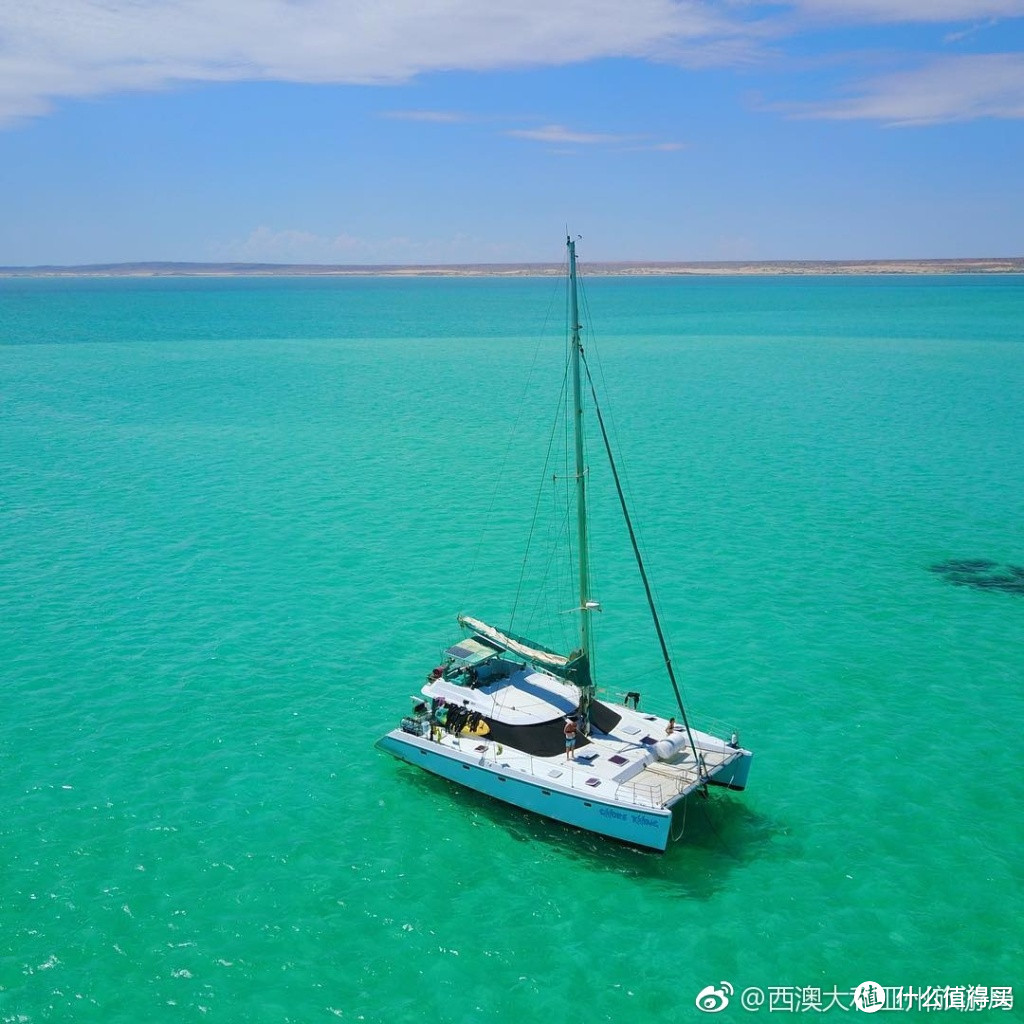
581,478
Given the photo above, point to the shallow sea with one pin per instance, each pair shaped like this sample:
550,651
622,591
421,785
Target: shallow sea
238,517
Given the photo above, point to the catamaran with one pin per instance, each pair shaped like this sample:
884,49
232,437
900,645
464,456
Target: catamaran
509,717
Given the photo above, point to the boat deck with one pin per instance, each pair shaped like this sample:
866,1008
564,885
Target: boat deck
612,768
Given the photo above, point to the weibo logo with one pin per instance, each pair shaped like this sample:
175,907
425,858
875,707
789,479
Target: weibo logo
711,999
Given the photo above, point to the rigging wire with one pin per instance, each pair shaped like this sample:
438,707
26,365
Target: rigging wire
682,826
643,571
574,326
718,835
561,561
620,466
568,427
540,493
543,592
520,408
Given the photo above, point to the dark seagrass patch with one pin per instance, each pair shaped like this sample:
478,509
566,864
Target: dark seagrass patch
982,574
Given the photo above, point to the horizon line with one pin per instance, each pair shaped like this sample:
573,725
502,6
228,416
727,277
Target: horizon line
606,268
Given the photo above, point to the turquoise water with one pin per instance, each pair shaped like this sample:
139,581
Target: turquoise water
238,518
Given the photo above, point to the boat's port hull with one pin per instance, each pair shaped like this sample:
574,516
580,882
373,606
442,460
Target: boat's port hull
734,775
640,826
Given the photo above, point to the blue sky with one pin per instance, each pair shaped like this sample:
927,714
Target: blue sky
437,131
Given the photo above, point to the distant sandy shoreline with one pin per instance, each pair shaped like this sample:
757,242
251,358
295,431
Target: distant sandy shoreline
997,265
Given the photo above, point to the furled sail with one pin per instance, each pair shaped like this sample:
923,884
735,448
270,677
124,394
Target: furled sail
574,667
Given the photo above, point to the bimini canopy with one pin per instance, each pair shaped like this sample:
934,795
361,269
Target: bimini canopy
473,652
574,668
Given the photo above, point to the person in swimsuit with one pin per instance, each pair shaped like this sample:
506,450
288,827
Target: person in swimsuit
570,739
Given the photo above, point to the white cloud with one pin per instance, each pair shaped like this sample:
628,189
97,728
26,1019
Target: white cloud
558,134
54,49
429,116
61,48
948,89
553,134
971,30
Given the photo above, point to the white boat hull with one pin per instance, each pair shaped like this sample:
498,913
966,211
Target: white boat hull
640,826
733,776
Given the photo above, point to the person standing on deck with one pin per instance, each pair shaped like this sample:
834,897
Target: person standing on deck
570,739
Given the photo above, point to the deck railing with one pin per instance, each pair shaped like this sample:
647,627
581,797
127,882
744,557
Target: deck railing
637,793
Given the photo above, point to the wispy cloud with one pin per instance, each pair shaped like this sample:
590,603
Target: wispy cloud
967,33
947,89
428,116
550,134
560,135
